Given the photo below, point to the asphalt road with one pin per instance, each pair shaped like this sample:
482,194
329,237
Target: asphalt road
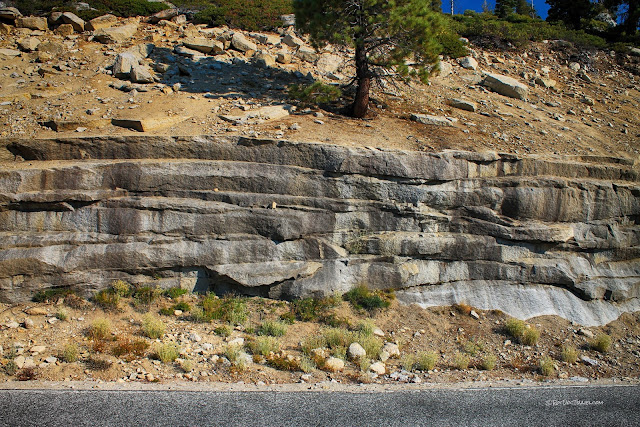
528,406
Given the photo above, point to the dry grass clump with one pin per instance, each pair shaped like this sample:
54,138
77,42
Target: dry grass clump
569,354
488,362
546,366
264,346
601,343
127,347
463,308
461,361
70,353
530,336
166,352
100,329
515,327
273,329
152,327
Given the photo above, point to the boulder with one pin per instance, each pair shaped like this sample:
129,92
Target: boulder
545,82
104,21
72,19
307,54
428,119
329,63
163,15
9,13
241,43
149,124
64,30
292,41
179,20
204,45
270,39
141,74
333,364
505,85
468,62
29,44
283,57
124,63
444,69
9,52
4,28
356,351
462,104
378,368
391,349
116,34
264,60
55,18
32,23
288,20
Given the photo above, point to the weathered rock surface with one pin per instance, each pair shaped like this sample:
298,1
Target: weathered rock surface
505,85
526,235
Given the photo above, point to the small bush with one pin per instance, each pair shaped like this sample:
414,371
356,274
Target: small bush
463,308
107,299
230,309
311,309
472,348
366,327
152,327
274,329
283,362
167,311
288,318
100,329
601,343
361,298
27,374
70,353
408,361
127,347
569,354
198,315
175,292
145,295
515,328
121,288
62,315
166,352
546,366
10,368
264,346
335,321
74,301
461,361
315,94
530,336
223,331
307,365
488,362
182,306
371,344
312,342
98,363
187,365
236,356
51,294
426,361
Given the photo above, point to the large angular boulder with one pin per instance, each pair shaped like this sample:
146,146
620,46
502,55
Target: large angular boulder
505,85
163,15
241,43
73,20
428,119
141,74
124,63
32,23
204,45
116,34
104,21
9,13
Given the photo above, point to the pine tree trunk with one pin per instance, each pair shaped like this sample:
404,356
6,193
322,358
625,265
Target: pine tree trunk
361,103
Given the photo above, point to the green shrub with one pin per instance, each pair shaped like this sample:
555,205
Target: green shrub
250,15
62,314
371,344
166,311
452,46
408,361
175,292
530,336
107,299
182,306
472,348
152,327
546,366
122,288
426,361
515,328
51,294
366,327
310,309
198,315
274,329
314,94
230,309
264,345
569,354
488,362
223,331
10,368
70,353
236,356
601,343
100,329
307,365
187,365
461,361
145,295
361,297
166,352
312,342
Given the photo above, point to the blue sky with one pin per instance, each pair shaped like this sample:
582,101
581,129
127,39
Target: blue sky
461,5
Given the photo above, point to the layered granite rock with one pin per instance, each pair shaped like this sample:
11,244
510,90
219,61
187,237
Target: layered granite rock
525,235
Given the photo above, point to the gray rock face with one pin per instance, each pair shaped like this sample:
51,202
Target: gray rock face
526,235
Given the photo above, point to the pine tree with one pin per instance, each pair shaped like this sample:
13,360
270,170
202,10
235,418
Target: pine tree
384,34
505,8
571,12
